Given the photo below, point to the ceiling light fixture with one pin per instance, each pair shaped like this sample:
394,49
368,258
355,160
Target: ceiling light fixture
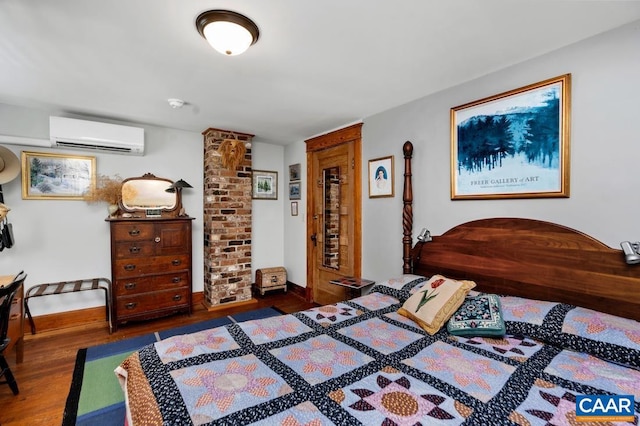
227,32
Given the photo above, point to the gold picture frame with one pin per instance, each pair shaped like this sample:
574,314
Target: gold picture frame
57,176
381,177
514,144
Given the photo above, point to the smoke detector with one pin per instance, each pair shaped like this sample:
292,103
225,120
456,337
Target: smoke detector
175,103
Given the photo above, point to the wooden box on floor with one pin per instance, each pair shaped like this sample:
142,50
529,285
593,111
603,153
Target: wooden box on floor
271,279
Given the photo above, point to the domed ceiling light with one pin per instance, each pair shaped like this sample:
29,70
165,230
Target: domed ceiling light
227,32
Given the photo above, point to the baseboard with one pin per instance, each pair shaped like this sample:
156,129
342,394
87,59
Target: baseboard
60,320
299,291
95,316
84,317
212,308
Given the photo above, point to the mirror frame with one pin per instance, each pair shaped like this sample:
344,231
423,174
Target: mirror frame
132,208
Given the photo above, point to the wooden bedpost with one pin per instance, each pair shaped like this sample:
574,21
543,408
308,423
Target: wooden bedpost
407,211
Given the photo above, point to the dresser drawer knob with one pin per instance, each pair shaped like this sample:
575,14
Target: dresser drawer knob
176,280
134,250
131,305
129,267
130,286
156,239
134,232
176,262
177,297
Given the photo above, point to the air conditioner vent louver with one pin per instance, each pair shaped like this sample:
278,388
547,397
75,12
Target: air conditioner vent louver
96,147
90,135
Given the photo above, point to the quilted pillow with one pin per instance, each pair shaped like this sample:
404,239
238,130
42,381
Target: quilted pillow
478,316
435,302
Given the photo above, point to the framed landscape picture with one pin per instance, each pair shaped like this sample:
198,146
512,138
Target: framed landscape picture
294,191
513,145
294,172
264,185
57,176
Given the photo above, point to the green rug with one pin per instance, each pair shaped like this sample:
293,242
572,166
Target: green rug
95,396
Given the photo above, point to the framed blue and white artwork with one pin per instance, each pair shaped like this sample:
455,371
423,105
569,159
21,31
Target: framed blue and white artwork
513,145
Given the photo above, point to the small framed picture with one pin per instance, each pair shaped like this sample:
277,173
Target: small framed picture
381,177
294,172
264,185
294,191
294,208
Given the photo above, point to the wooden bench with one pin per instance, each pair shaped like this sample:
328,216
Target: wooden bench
62,287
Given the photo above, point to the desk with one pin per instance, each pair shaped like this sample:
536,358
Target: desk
16,320
354,285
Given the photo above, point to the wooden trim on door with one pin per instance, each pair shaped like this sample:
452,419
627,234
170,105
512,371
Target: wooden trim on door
348,134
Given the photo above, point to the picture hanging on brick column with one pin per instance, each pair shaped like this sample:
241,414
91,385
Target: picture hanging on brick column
264,185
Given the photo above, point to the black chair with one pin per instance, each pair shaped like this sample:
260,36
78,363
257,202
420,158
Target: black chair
7,294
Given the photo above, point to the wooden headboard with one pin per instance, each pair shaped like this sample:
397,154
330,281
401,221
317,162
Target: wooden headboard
527,258
534,259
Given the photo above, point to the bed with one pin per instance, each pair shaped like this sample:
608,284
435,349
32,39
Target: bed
568,305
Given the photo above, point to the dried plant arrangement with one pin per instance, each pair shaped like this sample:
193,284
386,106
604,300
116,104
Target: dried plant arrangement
108,189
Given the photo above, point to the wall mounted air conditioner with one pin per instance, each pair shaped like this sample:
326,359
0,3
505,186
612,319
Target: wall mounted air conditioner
72,133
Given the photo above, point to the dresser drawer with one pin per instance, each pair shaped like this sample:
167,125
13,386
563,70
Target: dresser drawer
149,302
134,249
133,231
137,285
125,268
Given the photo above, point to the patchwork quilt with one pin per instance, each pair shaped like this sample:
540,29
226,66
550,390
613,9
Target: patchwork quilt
359,362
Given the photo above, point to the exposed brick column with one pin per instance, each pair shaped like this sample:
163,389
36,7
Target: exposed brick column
227,223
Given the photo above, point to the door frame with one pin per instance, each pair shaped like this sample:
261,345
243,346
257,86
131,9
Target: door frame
353,134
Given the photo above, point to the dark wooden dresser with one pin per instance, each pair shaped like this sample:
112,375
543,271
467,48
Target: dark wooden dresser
150,267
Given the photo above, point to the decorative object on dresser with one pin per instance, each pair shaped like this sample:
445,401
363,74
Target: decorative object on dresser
108,189
150,267
177,186
271,279
148,195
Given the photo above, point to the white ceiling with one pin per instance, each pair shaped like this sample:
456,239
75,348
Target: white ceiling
317,66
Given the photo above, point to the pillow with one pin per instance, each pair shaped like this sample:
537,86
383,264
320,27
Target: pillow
478,316
438,299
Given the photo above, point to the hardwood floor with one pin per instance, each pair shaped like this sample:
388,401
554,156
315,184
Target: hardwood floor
45,375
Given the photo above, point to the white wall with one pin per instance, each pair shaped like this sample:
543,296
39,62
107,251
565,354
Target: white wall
68,240
295,241
267,244
605,148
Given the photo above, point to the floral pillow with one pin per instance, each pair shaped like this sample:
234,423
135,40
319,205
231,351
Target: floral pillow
436,301
478,316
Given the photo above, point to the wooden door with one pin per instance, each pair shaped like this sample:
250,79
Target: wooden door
334,213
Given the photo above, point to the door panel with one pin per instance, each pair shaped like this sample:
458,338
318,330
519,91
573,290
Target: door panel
333,205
